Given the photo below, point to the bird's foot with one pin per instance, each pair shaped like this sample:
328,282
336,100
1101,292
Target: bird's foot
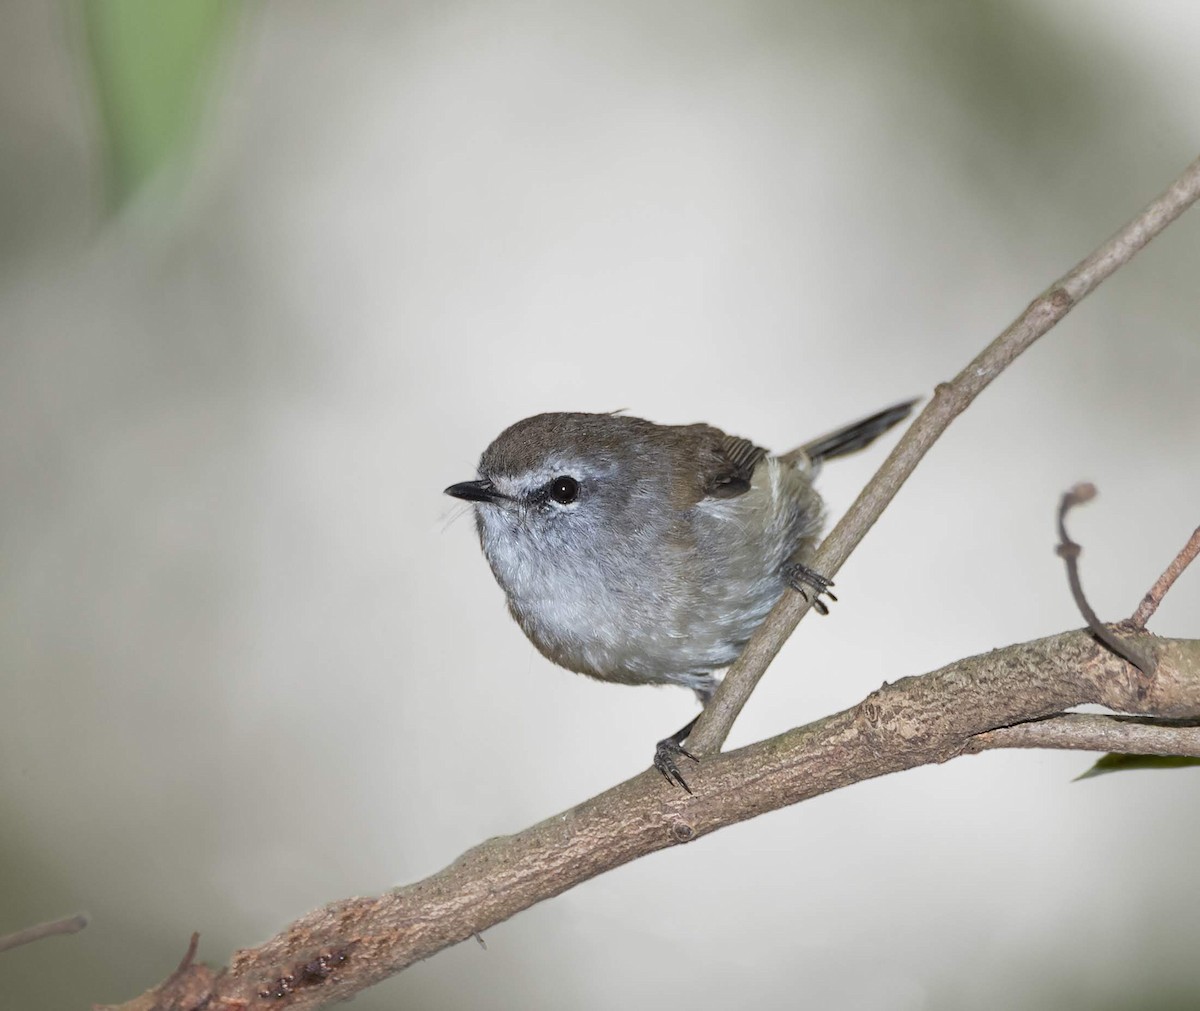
671,748
802,579
664,761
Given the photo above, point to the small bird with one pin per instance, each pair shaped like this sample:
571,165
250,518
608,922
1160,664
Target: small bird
648,554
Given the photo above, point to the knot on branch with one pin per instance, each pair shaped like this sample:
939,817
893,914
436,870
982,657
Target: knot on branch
312,973
682,831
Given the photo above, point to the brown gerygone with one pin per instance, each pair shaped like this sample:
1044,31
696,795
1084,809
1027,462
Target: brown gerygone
648,554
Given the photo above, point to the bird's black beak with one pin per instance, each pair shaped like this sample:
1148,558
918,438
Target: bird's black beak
475,491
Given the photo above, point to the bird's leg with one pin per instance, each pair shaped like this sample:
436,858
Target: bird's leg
670,748
802,579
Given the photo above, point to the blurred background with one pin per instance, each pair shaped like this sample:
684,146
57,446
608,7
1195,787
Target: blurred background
272,275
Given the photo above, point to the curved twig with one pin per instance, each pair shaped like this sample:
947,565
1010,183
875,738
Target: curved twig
1069,552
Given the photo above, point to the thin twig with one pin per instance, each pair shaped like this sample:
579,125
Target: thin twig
67,925
1069,552
950,400
189,956
1129,735
1155,594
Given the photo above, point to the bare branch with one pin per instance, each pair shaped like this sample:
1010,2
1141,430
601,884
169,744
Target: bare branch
189,957
1069,552
67,925
342,948
189,988
1129,735
1164,582
949,400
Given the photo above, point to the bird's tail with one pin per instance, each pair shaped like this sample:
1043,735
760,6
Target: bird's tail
853,437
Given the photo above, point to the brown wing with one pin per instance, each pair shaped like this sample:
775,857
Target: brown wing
707,463
734,462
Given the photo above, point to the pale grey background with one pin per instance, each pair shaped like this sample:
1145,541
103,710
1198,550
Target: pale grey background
248,665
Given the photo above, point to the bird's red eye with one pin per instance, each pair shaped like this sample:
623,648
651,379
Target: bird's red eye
564,490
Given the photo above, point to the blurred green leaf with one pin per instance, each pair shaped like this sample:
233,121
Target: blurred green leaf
1120,763
152,63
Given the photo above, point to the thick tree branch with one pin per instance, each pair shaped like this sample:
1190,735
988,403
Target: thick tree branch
949,400
339,950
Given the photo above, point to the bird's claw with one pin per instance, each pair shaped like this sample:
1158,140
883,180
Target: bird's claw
664,761
802,579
